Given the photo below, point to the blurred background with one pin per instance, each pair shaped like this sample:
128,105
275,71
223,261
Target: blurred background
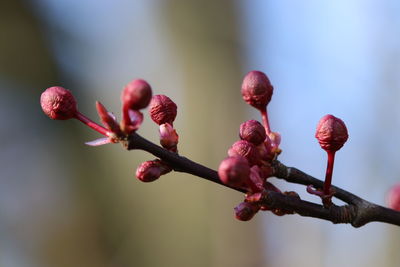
66,204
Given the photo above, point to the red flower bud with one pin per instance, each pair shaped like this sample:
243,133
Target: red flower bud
234,171
58,103
245,149
136,95
393,197
257,89
168,137
162,109
252,131
246,210
331,133
151,170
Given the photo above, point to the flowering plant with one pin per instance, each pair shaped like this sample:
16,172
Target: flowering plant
251,161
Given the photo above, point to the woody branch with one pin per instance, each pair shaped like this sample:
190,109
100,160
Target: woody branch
357,212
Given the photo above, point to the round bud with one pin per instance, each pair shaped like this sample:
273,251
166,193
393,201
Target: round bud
246,210
162,109
245,149
148,171
331,133
234,171
151,170
168,137
136,94
58,103
252,131
393,197
257,89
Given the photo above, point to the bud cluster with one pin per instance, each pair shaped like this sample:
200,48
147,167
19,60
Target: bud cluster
58,103
259,148
162,111
249,161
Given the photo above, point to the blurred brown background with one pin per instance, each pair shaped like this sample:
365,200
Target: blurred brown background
65,204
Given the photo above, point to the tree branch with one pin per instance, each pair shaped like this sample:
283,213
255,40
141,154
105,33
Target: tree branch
356,212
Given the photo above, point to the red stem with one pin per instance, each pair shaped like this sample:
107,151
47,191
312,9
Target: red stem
125,116
92,124
329,171
264,115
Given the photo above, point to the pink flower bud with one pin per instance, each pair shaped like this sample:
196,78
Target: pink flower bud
168,137
245,149
245,211
252,131
136,95
151,170
58,103
275,139
162,109
393,197
331,133
257,89
234,171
